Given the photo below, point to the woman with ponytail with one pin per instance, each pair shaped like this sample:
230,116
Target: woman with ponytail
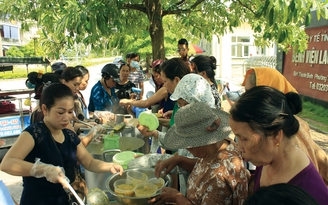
205,67
263,121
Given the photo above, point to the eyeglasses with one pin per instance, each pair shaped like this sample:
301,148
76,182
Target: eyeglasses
181,49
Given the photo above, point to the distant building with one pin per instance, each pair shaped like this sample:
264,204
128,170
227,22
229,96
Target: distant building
12,34
233,49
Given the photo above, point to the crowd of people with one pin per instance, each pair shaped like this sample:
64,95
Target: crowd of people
208,145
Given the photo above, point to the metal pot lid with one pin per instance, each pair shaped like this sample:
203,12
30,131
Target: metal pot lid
130,143
125,144
148,160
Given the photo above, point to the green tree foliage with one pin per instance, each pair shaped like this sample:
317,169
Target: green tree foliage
65,22
28,49
32,49
14,51
143,45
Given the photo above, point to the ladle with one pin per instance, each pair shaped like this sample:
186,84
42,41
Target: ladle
74,193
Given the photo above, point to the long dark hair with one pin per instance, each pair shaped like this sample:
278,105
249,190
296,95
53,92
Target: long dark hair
267,110
204,63
54,92
175,67
70,73
39,80
82,69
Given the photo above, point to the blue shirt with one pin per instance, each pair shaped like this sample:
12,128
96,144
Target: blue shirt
101,100
5,197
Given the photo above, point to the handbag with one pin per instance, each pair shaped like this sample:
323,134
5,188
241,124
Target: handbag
79,184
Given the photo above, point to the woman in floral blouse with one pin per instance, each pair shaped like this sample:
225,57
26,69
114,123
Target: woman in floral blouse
217,174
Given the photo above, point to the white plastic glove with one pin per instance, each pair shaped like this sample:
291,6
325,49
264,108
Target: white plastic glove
101,129
98,129
54,174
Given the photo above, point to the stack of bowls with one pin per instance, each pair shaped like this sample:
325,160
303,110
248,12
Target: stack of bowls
144,186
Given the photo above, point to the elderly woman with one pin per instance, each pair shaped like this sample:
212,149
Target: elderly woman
190,89
273,78
217,175
263,121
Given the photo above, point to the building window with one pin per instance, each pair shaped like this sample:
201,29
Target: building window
9,32
261,51
240,46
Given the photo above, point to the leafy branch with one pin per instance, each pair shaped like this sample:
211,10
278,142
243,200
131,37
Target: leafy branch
245,6
175,10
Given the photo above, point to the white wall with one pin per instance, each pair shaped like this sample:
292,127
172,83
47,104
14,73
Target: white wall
229,66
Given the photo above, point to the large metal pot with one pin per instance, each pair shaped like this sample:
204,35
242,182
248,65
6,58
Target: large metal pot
126,200
96,180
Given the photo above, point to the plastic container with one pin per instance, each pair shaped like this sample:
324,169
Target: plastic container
123,158
159,183
136,177
111,142
123,187
138,110
149,120
145,189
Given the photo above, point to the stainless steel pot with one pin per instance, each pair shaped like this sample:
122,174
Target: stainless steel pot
126,200
119,118
96,180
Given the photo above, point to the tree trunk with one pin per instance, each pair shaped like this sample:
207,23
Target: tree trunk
156,30
148,62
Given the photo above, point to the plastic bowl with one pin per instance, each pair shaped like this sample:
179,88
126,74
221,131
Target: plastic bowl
159,183
136,177
145,189
123,187
123,158
128,200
